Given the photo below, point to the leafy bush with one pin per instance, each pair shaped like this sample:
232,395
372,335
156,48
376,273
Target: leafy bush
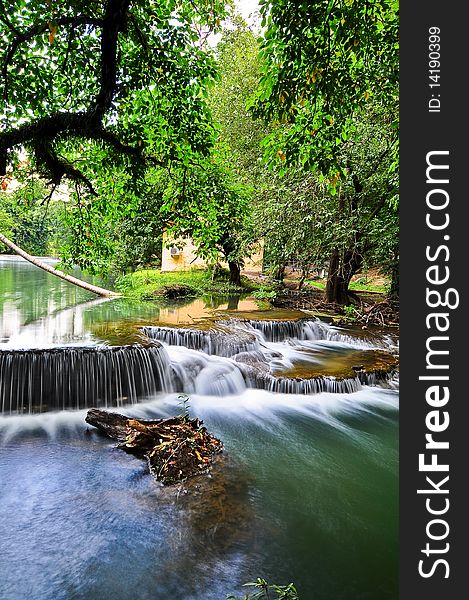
264,293
350,313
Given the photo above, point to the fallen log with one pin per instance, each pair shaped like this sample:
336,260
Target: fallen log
175,448
45,267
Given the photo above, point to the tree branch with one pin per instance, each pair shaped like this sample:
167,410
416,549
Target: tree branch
115,20
32,32
41,133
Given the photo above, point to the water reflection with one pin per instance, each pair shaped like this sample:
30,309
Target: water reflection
38,310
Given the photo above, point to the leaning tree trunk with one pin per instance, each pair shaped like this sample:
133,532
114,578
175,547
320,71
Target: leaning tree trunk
42,265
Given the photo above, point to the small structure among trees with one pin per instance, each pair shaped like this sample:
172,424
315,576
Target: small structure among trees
181,255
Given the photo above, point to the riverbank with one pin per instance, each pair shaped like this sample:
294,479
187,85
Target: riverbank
150,284
368,308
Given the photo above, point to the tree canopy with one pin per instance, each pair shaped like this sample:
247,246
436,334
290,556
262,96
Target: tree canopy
291,137
322,63
125,75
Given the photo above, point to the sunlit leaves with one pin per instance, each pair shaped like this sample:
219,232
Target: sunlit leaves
321,63
51,61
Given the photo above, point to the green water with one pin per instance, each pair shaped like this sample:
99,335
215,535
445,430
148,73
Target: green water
308,491
38,310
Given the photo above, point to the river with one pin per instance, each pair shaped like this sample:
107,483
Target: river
305,491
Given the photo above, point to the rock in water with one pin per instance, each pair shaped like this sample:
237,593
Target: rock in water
175,448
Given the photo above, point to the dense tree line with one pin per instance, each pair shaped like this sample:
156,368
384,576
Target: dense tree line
290,136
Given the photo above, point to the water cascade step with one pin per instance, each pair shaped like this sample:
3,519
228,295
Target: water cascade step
301,329
222,341
80,377
304,356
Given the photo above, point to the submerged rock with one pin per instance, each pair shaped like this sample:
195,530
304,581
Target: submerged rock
367,365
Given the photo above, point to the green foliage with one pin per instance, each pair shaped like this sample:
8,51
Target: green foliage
145,155
265,293
126,135
208,205
282,207
329,94
147,283
142,99
350,313
27,220
6,223
292,222
134,138
239,134
322,63
185,406
268,591
121,228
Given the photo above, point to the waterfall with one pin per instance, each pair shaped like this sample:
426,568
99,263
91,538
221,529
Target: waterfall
78,377
302,329
196,372
233,336
222,341
316,385
229,358
240,354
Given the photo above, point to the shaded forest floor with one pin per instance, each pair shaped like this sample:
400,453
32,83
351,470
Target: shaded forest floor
365,308
369,303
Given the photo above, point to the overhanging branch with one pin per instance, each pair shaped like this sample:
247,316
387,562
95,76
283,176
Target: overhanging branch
41,134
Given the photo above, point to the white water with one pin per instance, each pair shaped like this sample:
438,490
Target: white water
260,406
257,354
306,491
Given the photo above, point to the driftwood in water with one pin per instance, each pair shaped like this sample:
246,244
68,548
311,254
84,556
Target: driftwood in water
175,448
45,267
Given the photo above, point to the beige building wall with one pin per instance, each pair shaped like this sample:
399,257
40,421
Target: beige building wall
182,257
253,263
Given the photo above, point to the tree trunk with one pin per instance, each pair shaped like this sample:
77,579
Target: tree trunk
113,424
279,273
394,291
42,265
335,282
304,274
341,271
353,262
235,273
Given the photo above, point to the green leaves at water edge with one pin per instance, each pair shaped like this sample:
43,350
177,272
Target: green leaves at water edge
282,592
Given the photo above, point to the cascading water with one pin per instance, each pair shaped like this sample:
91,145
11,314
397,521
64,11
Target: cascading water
73,377
306,490
221,341
312,330
257,352
221,361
